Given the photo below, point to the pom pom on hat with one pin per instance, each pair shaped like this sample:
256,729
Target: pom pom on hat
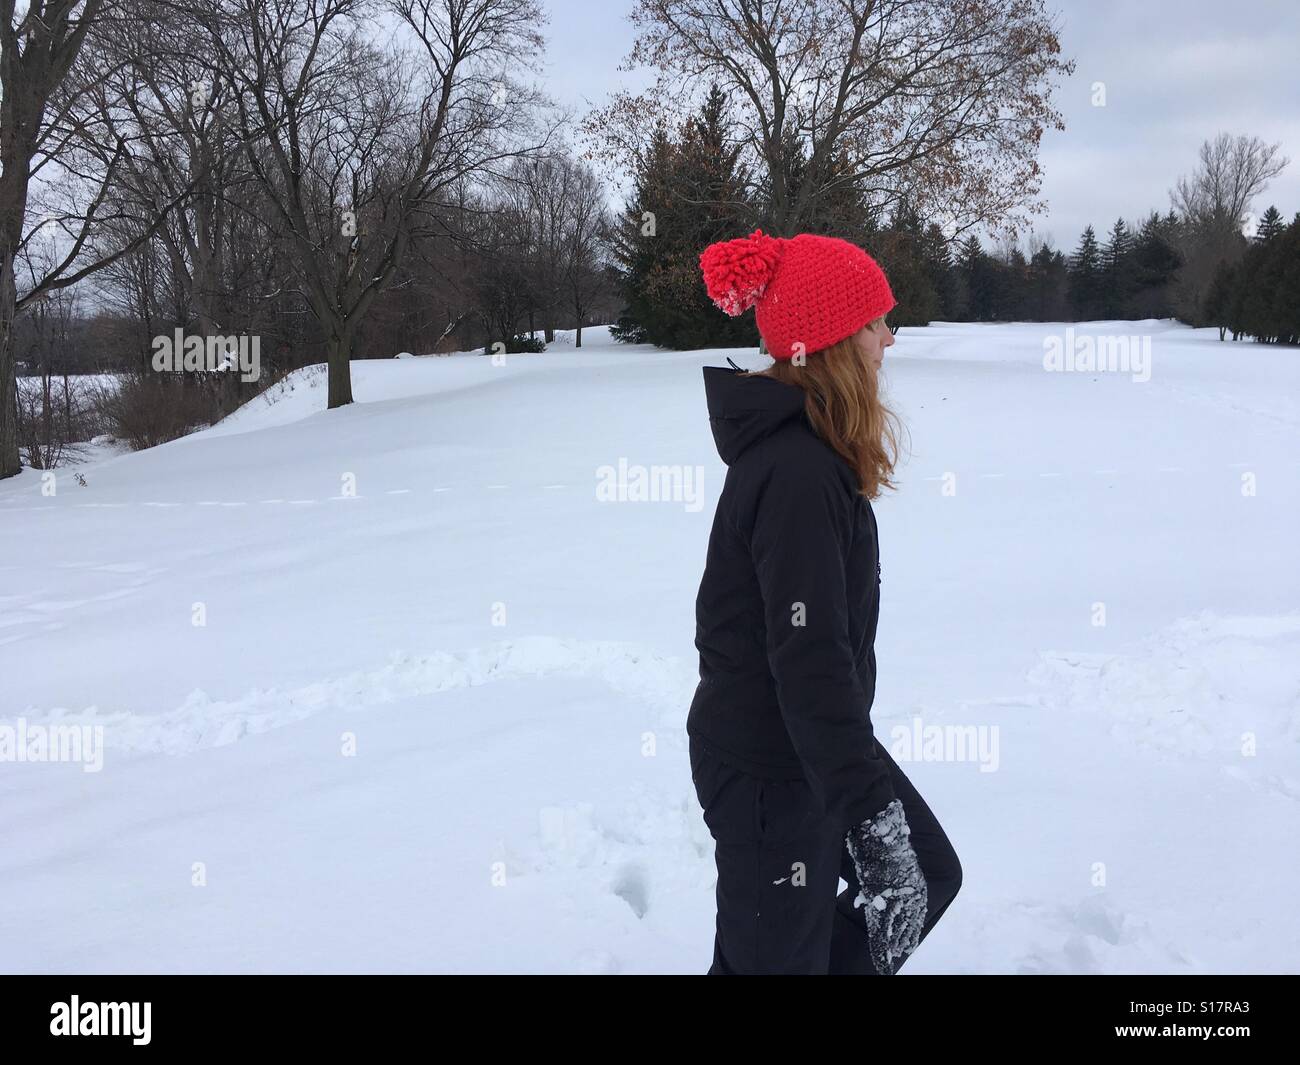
737,272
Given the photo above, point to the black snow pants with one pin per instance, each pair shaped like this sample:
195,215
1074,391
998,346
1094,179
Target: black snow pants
779,866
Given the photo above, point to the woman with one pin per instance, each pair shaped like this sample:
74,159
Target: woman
795,790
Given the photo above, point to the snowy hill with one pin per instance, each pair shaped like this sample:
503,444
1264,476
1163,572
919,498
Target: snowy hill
432,717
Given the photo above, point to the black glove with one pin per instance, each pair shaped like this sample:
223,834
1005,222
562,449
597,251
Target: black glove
893,894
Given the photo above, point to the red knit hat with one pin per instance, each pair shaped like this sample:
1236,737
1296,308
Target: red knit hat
808,291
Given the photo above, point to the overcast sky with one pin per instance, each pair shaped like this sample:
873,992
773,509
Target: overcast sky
1175,71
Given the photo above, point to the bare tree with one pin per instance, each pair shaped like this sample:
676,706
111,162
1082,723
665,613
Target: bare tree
501,272
172,107
1232,172
537,191
1212,204
54,414
51,403
354,142
585,230
57,168
36,53
941,102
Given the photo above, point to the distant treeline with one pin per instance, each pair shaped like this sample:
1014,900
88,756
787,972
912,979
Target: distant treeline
1192,263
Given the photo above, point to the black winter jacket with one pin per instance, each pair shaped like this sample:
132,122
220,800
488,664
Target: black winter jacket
788,604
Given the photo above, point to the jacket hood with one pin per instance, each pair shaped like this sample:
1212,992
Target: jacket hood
743,410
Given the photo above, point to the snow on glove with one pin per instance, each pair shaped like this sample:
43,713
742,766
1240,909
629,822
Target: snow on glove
893,887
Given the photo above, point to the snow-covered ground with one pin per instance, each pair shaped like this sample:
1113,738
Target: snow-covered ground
391,688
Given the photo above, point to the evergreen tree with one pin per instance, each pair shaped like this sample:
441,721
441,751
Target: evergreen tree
1264,265
1086,279
840,209
690,192
1286,298
1012,288
1270,226
633,238
1048,286
1155,261
793,169
936,257
1235,315
899,249
1218,300
977,281
1117,271
1259,296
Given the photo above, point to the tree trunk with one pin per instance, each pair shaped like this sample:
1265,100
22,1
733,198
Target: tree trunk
29,73
67,406
339,356
9,463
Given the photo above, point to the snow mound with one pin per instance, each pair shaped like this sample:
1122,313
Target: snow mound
1205,686
664,683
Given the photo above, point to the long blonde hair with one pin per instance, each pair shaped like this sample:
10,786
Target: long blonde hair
843,402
